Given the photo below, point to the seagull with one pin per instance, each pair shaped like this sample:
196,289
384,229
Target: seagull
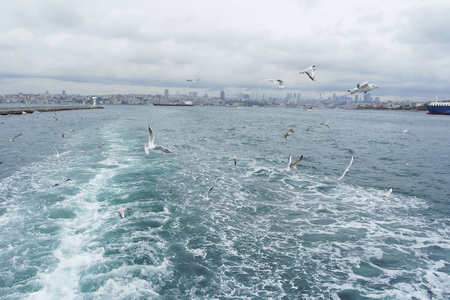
294,165
387,193
151,144
234,158
279,82
209,191
67,132
288,133
58,155
310,72
121,211
346,170
14,138
363,87
324,124
405,131
68,179
193,80
56,117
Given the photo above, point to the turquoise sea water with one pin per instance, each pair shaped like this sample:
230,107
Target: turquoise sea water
263,232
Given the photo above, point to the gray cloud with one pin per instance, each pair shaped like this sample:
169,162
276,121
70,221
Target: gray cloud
112,45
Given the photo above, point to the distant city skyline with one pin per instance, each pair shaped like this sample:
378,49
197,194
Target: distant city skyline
90,47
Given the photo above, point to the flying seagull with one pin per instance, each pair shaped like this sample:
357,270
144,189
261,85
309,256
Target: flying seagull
151,144
209,191
14,138
68,179
193,80
234,158
324,124
58,155
310,72
347,169
121,211
294,165
279,82
363,87
387,193
67,132
288,133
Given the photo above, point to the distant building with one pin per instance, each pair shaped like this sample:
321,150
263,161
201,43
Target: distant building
222,95
166,93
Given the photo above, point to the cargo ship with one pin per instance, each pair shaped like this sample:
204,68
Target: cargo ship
186,103
439,107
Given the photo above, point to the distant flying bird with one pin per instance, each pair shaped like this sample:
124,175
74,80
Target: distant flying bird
294,165
405,131
56,117
310,72
121,211
209,191
151,144
324,124
67,132
68,179
234,158
387,193
14,138
279,82
58,155
347,169
288,133
363,87
193,80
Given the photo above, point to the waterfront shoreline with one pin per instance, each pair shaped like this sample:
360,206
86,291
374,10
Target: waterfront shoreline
29,110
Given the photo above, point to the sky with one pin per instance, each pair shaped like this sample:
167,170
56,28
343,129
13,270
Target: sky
98,47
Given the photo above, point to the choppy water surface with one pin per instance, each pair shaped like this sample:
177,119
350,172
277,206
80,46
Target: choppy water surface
263,231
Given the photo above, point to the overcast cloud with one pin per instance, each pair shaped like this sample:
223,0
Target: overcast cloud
108,46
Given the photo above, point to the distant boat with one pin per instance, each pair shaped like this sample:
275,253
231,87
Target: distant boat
185,103
439,108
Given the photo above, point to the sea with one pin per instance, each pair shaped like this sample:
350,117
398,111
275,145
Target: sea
203,227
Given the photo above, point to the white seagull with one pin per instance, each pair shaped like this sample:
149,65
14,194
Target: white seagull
279,82
193,80
347,169
310,72
387,193
121,211
288,133
151,144
14,138
363,87
58,155
325,124
234,158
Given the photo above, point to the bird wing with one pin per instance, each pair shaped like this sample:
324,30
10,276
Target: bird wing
121,212
347,169
289,162
163,149
362,85
151,140
280,82
298,160
311,74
